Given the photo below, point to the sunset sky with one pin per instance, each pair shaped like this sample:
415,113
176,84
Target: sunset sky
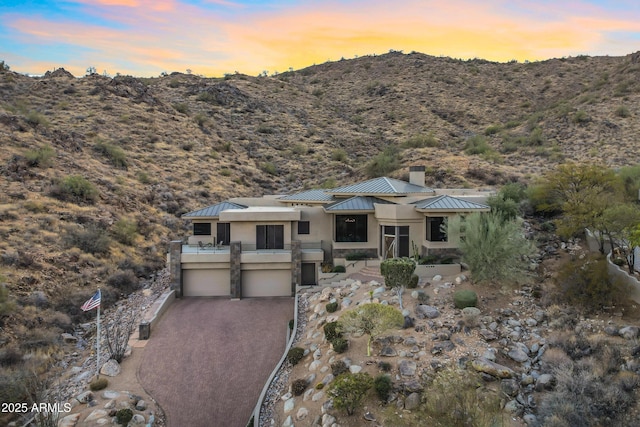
213,37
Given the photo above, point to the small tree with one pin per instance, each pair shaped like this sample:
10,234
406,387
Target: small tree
397,274
117,333
348,390
494,248
617,223
372,320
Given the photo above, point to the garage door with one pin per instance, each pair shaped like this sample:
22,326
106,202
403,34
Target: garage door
205,283
266,283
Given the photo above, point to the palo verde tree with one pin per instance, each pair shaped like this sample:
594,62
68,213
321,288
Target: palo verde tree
580,192
494,248
371,319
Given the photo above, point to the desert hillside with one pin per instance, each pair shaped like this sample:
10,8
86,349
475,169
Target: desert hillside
96,171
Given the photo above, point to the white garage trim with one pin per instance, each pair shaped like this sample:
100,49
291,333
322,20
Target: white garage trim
266,283
206,283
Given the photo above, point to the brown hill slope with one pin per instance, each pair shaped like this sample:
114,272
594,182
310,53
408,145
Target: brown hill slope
154,148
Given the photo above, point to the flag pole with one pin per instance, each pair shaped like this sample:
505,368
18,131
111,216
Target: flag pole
98,340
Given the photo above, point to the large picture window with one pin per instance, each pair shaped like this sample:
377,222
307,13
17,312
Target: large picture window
269,236
434,229
224,233
351,228
202,229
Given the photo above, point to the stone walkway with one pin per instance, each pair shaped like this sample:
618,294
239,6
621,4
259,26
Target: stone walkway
208,359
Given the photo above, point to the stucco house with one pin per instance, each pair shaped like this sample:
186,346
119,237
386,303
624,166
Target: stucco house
266,246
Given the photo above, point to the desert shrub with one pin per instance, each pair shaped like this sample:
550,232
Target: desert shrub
123,416
12,385
125,231
413,282
581,117
348,390
465,298
40,157
423,297
421,141
477,145
332,307
356,256
75,188
339,155
98,384
340,345
382,385
586,283
339,367
7,305
622,111
92,239
181,108
331,331
115,154
339,269
36,119
269,168
492,130
295,355
10,355
291,323
383,163
125,281
384,366
299,386
456,398
397,271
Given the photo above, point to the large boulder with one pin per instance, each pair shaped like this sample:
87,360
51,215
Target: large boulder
426,312
491,368
111,368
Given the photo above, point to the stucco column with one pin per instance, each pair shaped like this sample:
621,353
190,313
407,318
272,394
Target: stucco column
235,249
296,265
175,267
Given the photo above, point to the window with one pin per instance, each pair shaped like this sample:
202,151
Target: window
202,229
303,227
434,229
269,236
351,228
224,233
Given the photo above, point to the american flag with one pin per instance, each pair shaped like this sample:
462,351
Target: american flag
92,302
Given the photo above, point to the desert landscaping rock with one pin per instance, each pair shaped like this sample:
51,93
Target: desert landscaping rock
629,332
426,312
518,355
407,368
412,401
494,369
388,351
111,368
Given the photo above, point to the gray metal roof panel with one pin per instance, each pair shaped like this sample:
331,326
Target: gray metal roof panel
356,203
316,195
381,185
445,202
213,210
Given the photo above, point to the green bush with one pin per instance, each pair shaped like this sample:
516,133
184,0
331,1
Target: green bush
413,282
123,416
295,355
298,387
382,385
339,367
115,154
40,157
421,141
92,239
339,269
384,366
477,145
622,111
98,384
339,155
340,345
383,163
125,231
75,188
291,324
348,390
397,271
332,307
356,256
331,331
269,168
465,298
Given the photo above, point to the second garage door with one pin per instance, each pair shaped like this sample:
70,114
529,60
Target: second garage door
206,283
266,283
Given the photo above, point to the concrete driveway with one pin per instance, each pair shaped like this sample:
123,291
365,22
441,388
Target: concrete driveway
208,359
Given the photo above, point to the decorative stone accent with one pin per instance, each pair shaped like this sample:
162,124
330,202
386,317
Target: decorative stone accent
111,368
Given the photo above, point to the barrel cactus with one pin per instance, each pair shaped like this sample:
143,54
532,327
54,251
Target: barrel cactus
465,298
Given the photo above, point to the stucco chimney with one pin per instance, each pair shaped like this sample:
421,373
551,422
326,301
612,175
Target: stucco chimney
416,175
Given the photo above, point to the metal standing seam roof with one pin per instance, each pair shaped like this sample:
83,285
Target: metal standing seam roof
445,202
356,203
316,195
213,210
381,185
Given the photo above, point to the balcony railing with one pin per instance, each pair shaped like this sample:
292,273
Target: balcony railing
205,249
246,247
